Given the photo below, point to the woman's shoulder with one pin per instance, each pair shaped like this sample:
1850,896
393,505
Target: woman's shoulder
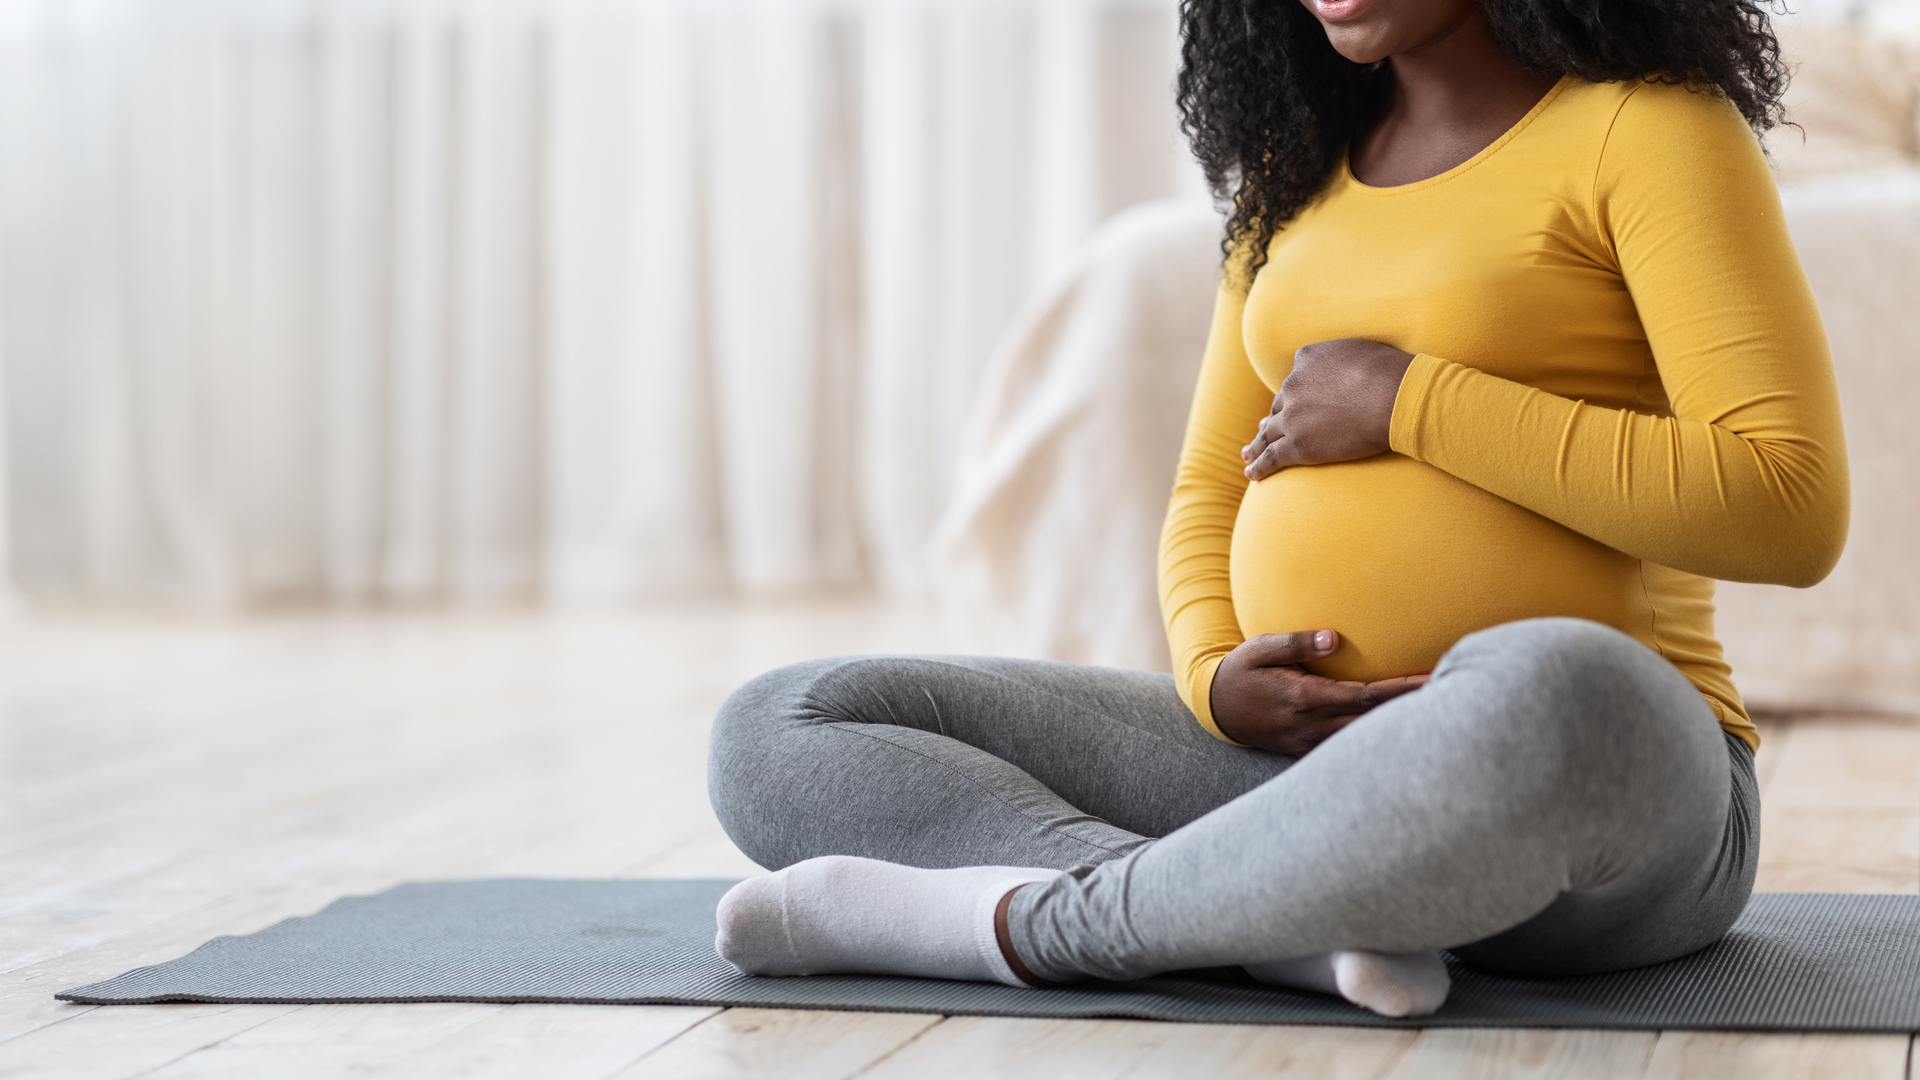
1677,156
1641,135
1641,115
1633,144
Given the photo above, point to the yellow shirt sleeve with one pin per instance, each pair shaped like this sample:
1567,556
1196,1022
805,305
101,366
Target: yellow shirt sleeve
1742,475
1196,591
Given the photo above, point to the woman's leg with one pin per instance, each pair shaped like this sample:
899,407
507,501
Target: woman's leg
1558,799
963,761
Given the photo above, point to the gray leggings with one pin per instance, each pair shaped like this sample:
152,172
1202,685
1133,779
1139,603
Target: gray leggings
1558,800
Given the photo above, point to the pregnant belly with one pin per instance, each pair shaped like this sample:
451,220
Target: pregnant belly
1404,560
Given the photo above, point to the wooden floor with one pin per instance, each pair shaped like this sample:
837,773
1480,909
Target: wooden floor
164,782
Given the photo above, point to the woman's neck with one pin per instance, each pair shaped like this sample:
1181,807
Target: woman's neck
1450,98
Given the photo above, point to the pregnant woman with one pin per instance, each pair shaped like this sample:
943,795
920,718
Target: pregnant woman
1512,357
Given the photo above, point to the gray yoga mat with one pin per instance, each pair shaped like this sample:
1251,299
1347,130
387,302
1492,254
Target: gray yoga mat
1794,962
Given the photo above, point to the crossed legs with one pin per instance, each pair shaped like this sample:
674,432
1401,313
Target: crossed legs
1559,799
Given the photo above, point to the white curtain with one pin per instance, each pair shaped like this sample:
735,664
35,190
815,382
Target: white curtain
373,301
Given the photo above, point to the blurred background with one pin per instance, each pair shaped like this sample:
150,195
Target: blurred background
418,415
365,302
497,304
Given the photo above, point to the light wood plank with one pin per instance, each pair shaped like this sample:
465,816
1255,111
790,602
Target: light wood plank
1014,1049
27,1005
1839,851
448,799
707,854
292,678
1525,1054
552,1042
1253,1051
1850,762
1714,1055
322,1041
413,841
126,1040
338,782
795,1044
1010,1048
1842,812
1775,731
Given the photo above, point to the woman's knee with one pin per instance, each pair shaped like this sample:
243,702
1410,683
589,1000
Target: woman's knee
1580,693
745,748
1569,652
1579,666
774,736
756,712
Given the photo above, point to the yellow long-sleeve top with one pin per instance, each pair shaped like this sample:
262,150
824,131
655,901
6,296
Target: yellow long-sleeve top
1621,391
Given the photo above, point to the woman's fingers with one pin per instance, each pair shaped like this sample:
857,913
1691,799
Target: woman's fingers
1277,455
1321,697
1280,650
1328,698
1265,434
1387,689
1272,449
1260,439
1261,696
1303,646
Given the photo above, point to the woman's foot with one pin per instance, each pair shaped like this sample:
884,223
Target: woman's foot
843,915
1391,984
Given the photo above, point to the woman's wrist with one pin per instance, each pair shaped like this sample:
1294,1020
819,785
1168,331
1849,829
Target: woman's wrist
1223,723
1409,403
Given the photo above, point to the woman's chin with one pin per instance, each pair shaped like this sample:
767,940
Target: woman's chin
1361,44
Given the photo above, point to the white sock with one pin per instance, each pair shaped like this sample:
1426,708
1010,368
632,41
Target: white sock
843,915
1391,984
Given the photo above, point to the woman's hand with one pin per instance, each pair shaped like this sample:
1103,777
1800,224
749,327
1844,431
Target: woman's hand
1337,405
1262,697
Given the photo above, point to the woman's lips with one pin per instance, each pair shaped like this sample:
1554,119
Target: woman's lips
1340,10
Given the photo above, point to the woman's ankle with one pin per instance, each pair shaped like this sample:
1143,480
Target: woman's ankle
1005,937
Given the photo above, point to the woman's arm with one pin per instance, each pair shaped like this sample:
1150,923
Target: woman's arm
1196,591
1747,480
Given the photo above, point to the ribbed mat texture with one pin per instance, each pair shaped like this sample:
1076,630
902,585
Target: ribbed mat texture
1794,962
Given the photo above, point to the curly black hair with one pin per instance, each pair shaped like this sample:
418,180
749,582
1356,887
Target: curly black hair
1270,106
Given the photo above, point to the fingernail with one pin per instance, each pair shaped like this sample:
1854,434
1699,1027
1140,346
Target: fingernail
1323,640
